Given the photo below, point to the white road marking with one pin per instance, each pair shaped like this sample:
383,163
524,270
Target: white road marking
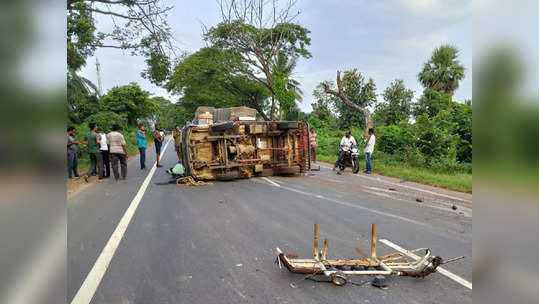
382,195
347,204
89,286
441,270
409,187
271,182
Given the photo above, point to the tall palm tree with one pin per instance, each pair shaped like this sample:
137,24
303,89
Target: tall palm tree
443,71
284,65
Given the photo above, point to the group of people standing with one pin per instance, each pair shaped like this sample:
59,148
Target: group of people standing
106,149
109,149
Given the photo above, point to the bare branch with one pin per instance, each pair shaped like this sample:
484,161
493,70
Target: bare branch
104,12
340,94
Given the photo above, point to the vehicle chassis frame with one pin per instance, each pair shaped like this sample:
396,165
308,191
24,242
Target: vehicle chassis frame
393,264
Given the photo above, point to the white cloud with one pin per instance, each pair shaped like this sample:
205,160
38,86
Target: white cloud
438,9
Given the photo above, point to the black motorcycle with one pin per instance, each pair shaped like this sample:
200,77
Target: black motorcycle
350,158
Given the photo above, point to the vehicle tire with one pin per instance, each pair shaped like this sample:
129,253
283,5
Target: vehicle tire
355,164
338,278
222,126
227,176
285,125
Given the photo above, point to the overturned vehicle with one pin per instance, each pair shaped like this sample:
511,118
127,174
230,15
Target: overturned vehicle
226,144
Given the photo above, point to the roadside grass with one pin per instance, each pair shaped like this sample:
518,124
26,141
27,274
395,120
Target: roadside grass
460,181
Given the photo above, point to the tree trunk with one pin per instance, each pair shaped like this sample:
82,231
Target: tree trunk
272,110
340,93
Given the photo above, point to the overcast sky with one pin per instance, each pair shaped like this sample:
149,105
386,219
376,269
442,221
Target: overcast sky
384,40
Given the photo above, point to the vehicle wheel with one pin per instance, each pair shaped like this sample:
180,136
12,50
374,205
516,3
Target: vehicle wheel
338,278
231,175
341,167
285,125
221,127
355,165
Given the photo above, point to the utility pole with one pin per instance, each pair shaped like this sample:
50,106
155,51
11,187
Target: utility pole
98,70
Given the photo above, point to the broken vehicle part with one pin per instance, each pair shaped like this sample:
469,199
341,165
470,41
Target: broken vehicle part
393,264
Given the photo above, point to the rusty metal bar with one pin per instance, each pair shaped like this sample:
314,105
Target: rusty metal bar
373,242
315,247
325,250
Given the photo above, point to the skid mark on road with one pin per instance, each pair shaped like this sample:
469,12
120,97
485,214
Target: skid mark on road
348,204
89,286
440,270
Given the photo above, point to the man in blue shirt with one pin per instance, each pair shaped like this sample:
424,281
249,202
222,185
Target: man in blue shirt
141,141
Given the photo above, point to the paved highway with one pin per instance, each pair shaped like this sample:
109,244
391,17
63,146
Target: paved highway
139,241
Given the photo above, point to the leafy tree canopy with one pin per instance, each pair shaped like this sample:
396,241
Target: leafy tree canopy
138,25
130,100
442,72
207,78
432,103
257,47
396,106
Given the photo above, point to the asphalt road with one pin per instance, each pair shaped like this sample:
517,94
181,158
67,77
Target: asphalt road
216,244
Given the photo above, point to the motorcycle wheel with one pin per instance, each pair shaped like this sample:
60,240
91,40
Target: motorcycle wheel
355,165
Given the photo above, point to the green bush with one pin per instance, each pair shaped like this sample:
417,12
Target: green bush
396,139
105,120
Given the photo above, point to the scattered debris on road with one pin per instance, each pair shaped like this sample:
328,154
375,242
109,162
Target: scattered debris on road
190,181
338,270
418,200
454,207
392,189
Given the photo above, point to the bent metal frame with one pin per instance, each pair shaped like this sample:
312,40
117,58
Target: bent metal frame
393,264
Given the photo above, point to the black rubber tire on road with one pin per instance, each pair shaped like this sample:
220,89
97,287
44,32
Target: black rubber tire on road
285,125
355,165
221,127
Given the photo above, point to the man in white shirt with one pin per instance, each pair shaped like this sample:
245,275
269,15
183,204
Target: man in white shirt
104,148
369,148
346,142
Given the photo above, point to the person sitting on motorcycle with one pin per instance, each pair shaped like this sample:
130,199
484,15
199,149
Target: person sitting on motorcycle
346,144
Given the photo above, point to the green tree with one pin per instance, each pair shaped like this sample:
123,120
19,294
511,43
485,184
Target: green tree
105,120
130,100
357,90
285,96
321,116
443,71
431,103
139,26
82,100
202,80
285,66
396,106
259,37
163,117
461,116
